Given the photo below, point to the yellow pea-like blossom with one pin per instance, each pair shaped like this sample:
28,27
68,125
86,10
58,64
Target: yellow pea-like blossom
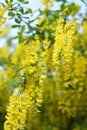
59,42
16,117
2,12
44,1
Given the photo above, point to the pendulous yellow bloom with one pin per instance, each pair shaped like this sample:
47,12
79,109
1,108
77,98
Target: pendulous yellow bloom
2,12
16,115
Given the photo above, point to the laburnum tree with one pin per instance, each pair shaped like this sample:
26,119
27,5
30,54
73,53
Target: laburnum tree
43,66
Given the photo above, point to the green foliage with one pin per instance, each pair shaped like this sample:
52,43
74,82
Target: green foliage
14,82
84,1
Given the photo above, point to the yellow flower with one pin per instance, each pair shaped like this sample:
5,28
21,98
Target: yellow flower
44,1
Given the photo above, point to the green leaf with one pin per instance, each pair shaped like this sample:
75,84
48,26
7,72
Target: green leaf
21,80
28,11
11,14
25,2
18,15
23,28
84,2
17,20
15,26
11,0
62,6
21,1
2,4
6,1
22,10
64,1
